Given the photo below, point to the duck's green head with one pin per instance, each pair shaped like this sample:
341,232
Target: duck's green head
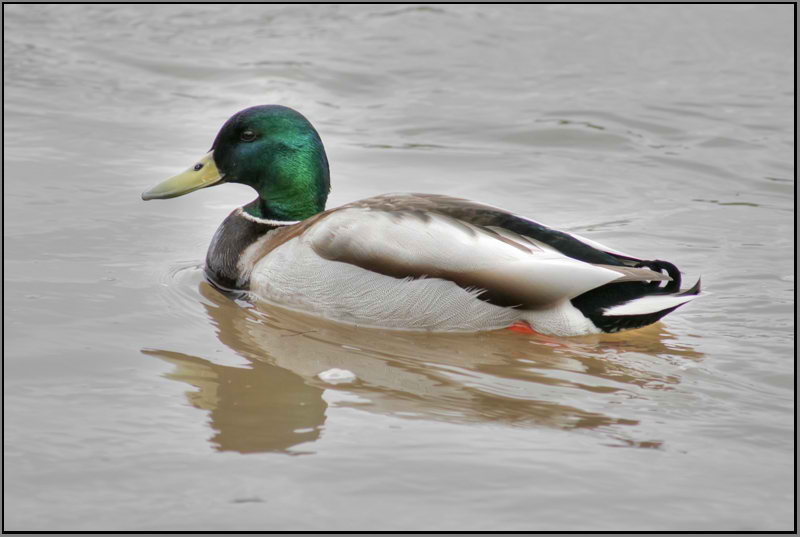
271,148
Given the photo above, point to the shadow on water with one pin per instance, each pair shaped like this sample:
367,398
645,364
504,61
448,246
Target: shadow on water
504,378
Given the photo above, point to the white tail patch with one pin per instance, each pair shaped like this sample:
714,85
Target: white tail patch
648,304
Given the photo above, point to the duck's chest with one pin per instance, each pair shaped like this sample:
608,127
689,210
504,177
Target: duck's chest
234,249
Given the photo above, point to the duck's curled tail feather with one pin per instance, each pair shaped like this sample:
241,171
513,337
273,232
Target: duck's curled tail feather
624,306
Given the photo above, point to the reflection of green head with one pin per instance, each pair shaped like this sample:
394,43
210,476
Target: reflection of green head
278,152
263,408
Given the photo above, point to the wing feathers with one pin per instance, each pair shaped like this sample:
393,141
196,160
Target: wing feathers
508,268
631,274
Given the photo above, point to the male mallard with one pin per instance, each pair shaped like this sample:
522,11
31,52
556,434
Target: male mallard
407,261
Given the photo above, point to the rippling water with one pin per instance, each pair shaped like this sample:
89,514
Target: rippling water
138,397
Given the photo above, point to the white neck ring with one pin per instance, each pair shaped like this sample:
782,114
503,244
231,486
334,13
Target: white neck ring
244,214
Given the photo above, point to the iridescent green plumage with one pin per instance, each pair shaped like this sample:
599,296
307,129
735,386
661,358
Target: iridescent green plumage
285,162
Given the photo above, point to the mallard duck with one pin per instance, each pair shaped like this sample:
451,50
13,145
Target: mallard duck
406,261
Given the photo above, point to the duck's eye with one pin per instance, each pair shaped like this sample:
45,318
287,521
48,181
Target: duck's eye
198,167
248,135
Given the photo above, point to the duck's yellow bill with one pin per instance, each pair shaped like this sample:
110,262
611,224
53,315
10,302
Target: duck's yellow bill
202,174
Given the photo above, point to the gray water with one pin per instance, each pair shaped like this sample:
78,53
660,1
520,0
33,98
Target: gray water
138,397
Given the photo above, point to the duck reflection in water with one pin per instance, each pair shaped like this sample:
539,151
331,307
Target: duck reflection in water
280,401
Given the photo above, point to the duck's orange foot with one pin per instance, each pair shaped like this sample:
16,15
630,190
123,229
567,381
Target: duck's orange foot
523,328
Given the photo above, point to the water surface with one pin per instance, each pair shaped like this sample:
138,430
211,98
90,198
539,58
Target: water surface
136,396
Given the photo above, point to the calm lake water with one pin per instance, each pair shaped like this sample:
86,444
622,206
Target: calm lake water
136,396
